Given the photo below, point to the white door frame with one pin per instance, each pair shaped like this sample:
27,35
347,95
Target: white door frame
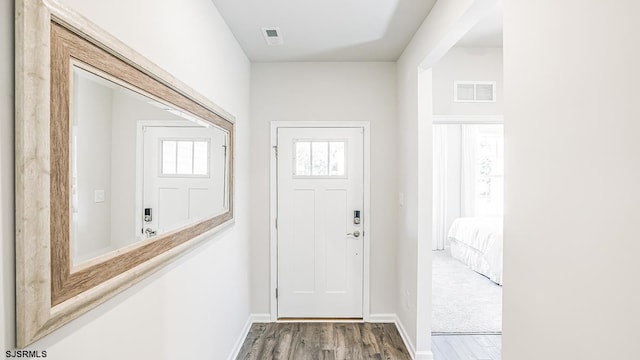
273,252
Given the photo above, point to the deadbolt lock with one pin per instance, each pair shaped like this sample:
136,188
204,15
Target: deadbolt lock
356,217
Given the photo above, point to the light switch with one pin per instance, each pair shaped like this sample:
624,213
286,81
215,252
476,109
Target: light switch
401,199
98,196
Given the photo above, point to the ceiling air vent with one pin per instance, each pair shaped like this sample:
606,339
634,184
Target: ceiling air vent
474,91
272,36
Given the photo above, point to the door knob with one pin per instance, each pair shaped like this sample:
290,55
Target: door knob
355,233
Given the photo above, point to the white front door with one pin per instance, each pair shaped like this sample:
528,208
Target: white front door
320,230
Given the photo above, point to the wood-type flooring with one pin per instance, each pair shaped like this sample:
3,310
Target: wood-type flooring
323,341
466,347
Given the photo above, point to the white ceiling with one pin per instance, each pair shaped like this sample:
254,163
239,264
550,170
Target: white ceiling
325,30
487,32
340,30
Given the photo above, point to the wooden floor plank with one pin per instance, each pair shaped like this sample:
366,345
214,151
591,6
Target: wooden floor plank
446,349
460,348
484,340
393,344
254,339
323,341
438,351
497,340
283,339
494,352
370,338
466,347
477,351
437,354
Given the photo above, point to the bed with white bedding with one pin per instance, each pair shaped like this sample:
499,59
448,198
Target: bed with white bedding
477,242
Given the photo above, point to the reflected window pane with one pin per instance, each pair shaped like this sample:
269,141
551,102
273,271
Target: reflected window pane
200,157
336,158
168,157
319,158
303,158
185,157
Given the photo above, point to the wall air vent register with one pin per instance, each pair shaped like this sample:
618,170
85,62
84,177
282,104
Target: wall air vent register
474,91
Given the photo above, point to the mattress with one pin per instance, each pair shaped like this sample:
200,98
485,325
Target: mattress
478,242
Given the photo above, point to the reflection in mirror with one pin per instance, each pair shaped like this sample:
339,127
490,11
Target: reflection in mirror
139,168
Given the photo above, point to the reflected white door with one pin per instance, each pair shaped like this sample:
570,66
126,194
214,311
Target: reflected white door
320,245
180,174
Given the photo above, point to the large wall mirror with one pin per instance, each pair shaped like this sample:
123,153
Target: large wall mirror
119,167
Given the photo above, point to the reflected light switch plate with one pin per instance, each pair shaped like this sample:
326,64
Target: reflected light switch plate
98,196
401,199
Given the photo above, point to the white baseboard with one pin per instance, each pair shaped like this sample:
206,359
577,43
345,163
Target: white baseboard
383,318
260,318
378,318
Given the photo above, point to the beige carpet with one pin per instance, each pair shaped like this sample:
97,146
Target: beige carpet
463,300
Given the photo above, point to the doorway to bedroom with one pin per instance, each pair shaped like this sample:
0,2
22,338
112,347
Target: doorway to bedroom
468,192
468,206
462,97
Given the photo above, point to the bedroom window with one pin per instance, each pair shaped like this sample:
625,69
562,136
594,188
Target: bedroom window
483,170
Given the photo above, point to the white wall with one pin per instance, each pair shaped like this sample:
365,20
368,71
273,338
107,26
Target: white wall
7,249
195,308
443,27
467,64
572,124
327,92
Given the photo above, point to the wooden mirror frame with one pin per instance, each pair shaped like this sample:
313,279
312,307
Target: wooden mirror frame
50,291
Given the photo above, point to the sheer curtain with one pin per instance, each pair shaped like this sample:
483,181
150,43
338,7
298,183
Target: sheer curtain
468,170
467,175
439,186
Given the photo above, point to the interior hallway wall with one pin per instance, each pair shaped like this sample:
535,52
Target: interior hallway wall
443,27
572,124
197,307
327,92
467,64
